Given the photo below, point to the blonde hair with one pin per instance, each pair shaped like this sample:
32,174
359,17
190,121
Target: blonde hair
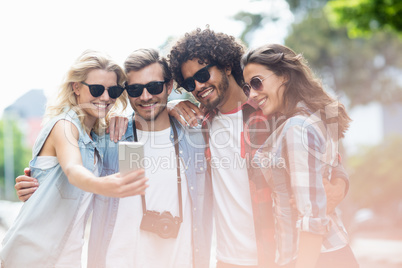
66,99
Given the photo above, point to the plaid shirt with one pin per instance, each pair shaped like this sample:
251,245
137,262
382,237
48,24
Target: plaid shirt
256,129
294,160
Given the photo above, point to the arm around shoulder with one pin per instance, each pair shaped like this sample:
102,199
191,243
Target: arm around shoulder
185,112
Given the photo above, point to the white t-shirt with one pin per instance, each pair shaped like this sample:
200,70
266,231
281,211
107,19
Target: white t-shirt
132,247
236,242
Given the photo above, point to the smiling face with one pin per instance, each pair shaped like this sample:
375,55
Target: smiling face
269,97
149,107
211,93
95,108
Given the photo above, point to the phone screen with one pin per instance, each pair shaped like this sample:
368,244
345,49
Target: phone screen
131,155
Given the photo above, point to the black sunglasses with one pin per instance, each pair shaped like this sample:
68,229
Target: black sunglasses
255,83
202,76
154,88
97,90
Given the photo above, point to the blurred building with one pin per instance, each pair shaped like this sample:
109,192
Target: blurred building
29,110
372,124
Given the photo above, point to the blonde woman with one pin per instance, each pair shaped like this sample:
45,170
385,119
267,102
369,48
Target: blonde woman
67,163
300,152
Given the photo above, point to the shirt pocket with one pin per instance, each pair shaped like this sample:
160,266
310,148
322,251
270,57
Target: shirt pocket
66,189
55,176
40,174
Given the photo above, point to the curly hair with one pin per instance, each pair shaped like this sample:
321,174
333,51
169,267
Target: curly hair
301,83
207,46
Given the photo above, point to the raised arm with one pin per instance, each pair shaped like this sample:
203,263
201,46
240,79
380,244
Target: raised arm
65,135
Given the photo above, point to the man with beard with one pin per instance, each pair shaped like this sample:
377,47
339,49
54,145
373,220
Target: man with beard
176,168
207,64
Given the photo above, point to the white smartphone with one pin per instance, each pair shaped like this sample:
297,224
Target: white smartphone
131,155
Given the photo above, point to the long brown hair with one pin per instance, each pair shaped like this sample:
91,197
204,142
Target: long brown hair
300,85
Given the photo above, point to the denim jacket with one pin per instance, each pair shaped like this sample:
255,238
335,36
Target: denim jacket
45,221
191,150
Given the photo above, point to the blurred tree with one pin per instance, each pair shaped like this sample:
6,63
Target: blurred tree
364,69
364,17
376,174
255,21
21,153
252,22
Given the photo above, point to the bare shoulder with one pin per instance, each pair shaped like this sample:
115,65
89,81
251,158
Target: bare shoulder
65,129
61,132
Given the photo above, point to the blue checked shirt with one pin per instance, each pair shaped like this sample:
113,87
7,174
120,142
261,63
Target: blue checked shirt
294,160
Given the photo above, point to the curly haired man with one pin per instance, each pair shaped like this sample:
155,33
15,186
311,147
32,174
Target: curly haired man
207,64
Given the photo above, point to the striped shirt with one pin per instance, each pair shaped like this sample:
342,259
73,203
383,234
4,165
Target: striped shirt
294,160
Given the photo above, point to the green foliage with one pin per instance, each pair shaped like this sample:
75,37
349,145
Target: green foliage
376,177
22,154
364,69
364,17
255,21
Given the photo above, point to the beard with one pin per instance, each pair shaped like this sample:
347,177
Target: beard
221,94
153,115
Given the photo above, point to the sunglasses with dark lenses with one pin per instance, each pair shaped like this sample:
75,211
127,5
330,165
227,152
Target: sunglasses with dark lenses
154,88
202,76
97,90
255,83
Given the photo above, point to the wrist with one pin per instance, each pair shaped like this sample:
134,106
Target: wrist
101,186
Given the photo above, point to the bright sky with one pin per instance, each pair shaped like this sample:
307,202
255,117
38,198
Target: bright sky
40,39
